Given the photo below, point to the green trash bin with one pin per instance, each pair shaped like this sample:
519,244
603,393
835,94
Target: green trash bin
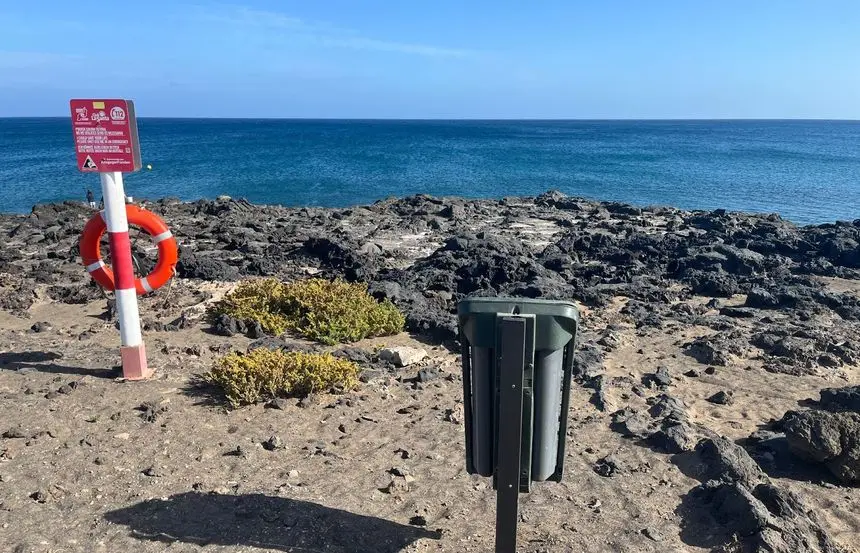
490,332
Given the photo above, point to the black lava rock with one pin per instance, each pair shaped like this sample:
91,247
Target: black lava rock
722,398
191,265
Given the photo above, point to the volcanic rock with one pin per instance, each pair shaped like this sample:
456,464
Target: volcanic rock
841,399
722,397
764,517
829,438
191,265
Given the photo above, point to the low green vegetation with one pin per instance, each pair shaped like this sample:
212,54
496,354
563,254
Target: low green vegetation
256,300
325,311
264,374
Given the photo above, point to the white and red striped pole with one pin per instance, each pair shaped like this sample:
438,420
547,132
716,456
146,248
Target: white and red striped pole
133,350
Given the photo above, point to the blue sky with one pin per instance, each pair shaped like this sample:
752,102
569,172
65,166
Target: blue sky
436,59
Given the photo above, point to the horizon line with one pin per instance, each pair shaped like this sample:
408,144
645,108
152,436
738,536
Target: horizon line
476,119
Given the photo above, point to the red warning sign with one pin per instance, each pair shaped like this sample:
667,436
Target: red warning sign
105,135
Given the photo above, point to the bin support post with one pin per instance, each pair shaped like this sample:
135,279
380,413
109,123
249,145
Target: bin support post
511,363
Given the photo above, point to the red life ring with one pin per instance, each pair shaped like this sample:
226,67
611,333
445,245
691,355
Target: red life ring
168,251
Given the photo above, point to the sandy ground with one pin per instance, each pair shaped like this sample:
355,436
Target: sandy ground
83,468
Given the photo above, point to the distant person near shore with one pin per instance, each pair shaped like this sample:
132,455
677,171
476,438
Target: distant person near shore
91,199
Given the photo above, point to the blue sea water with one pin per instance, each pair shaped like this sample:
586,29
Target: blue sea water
807,171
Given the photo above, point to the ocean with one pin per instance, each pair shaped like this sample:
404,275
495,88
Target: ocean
807,171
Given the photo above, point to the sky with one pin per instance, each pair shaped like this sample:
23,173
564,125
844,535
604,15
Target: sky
548,59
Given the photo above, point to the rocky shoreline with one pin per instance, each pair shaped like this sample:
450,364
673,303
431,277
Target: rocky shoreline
425,253
699,293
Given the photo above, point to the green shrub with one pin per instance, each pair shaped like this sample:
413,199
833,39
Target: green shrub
264,374
332,312
256,300
326,311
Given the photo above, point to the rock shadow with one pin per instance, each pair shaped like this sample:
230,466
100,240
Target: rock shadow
699,527
777,460
257,520
690,465
41,361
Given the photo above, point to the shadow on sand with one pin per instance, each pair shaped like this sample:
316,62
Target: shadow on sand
699,527
258,520
204,392
42,361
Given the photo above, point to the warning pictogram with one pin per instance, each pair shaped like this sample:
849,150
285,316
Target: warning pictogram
89,164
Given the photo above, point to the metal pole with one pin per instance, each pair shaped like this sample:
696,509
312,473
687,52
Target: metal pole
133,351
512,359
468,420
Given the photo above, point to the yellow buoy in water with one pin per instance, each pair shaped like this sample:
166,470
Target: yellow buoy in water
149,167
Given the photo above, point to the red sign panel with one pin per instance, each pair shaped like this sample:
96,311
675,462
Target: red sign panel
105,135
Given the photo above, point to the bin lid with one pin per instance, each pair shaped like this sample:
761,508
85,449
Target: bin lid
556,321
525,306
